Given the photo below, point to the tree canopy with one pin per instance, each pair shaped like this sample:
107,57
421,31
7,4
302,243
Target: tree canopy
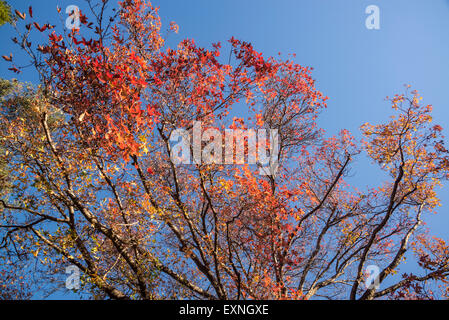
91,180
5,13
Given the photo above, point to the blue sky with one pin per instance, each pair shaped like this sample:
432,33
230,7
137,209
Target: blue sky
355,67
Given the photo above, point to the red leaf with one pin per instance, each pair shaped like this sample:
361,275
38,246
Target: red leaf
7,58
14,69
20,14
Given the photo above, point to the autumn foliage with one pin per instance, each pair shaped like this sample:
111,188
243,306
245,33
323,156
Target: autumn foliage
89,179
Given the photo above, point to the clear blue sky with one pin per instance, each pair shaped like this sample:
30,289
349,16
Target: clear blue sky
354,66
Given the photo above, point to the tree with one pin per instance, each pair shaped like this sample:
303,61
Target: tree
15,280
5,13
94,182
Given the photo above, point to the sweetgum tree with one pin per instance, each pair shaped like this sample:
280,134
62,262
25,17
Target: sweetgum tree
90,180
